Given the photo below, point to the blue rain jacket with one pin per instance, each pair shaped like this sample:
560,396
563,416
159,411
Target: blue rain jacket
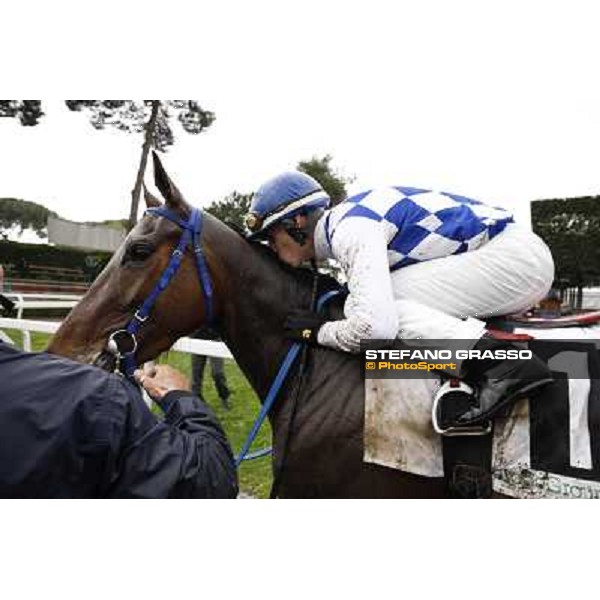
69,430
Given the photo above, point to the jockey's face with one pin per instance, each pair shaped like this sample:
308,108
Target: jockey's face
289,250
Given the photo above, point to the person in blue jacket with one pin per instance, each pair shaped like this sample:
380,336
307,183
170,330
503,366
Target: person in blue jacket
69,430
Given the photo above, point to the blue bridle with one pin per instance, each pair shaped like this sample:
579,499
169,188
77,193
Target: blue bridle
191,230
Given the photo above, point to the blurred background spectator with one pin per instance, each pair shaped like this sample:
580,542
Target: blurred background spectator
217,368
6,305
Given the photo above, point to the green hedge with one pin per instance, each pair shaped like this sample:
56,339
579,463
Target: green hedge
571,228
15,257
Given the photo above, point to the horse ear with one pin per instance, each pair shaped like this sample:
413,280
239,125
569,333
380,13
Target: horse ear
166,187
151,200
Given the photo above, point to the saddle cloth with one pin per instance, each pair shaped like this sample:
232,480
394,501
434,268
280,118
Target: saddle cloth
546,447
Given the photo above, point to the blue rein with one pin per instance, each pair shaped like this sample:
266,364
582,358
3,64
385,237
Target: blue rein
276,386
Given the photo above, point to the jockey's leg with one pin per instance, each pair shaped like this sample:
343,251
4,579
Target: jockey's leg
443,298
509,274
499,383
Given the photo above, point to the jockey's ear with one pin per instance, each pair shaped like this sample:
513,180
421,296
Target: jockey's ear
167,188
151,200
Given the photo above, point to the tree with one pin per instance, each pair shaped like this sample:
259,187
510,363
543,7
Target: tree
232,209
153,118
29,112
25,215
333,183
571,228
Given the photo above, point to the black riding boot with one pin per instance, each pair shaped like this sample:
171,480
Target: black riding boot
499,383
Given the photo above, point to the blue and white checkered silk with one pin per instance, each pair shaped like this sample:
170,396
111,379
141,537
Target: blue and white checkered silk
422,225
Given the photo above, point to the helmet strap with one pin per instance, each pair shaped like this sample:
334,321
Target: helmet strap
296,233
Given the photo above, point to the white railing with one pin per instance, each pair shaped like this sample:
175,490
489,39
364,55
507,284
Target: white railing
189,345
41,301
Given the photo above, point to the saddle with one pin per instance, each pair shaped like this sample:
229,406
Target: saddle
505,325
467,453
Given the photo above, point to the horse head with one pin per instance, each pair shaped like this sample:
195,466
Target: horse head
130,277
252,292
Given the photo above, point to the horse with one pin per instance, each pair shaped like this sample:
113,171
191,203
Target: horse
318,426
252,295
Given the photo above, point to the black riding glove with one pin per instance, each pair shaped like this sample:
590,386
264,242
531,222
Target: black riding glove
303,325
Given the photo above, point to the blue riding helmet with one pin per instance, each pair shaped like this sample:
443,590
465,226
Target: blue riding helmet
283,197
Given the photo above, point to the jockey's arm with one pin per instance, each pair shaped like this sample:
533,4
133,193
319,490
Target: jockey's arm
360,246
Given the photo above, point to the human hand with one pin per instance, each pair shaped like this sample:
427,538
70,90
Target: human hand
161,380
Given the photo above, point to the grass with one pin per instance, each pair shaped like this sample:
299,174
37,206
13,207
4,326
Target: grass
254,475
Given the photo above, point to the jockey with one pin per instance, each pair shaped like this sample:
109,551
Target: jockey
420,264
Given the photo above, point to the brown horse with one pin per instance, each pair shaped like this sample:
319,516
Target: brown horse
253,293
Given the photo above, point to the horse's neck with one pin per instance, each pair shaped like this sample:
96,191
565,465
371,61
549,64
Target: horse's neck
254,302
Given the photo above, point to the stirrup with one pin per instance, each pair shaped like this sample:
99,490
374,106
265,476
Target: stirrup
451,387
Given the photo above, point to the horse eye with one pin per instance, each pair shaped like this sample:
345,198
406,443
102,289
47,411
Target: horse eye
137,252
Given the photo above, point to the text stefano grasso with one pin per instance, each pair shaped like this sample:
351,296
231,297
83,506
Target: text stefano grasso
445,354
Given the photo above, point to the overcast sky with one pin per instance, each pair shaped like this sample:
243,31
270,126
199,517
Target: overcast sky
498,101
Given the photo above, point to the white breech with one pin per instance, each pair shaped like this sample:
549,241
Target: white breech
443,298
